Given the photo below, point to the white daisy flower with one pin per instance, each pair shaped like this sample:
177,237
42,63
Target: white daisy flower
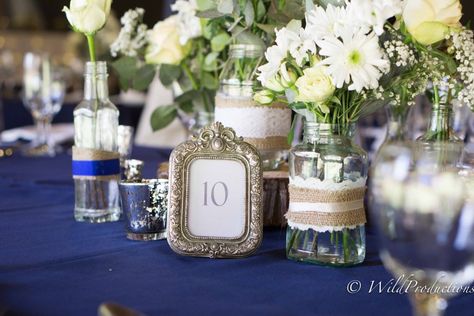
354,58
296,40
274,55
372,14
322,23
189,23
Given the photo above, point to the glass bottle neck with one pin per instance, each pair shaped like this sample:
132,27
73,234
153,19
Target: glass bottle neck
396,123
95,81
440,118
95,88
327,133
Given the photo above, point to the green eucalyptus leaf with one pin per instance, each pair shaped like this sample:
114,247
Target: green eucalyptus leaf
291,134
187,107
249,14
292,10
169,74
204,5
209,81
210,14
187,96
267,28
126,68
124,83
207,31
261,10
143,77
225,6
211,58
219,42
210,62
162,116
246,37
281,4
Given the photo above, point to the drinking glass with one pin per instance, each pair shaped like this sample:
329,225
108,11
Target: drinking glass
424,214
43,95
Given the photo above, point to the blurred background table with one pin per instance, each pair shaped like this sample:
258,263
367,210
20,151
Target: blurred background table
52,265
16,115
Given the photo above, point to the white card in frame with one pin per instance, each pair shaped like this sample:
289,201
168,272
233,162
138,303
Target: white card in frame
215,201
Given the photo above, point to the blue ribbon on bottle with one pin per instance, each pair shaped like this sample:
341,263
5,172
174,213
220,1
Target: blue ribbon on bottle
93,168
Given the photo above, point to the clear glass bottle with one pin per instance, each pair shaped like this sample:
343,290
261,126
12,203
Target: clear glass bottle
327,160
95,128
440,133
440,128
265,127
396,123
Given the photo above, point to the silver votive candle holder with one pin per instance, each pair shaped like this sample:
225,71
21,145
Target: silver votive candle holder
133,170
145,206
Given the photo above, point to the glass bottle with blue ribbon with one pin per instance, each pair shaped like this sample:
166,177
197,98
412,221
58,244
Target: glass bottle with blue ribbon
96,165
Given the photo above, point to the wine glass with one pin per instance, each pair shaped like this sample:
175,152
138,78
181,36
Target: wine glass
43,95
424,214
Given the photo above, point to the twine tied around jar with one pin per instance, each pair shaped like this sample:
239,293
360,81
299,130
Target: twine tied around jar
326,210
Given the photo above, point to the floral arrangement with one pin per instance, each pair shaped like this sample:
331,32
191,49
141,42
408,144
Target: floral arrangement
352,57
189,48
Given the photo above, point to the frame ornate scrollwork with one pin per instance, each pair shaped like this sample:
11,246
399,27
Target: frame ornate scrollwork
214,142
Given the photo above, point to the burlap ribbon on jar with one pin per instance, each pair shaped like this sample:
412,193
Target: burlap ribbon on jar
326,210
272,142
93,164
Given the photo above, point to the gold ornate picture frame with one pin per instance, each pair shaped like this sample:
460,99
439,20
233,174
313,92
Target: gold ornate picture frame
215,196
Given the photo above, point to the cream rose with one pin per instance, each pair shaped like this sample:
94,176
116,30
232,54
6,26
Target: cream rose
164,45
88,16
315,85
428,21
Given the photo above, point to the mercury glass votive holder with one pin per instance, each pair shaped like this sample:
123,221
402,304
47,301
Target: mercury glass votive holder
145,206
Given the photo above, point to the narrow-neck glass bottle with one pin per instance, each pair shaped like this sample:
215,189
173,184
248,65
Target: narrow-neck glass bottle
96,168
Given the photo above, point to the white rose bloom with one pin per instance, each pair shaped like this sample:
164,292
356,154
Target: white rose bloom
315,86
88,16
372,14
429,21
164,43
189,23
355,59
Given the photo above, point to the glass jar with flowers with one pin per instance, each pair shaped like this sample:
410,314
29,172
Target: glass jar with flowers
341,71
190,50
264,126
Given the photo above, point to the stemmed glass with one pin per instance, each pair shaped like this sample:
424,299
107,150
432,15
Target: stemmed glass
43,95
424,214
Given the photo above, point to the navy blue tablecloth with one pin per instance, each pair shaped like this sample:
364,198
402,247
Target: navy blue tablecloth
51,265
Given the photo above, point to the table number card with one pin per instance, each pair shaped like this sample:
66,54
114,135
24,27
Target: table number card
215,206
